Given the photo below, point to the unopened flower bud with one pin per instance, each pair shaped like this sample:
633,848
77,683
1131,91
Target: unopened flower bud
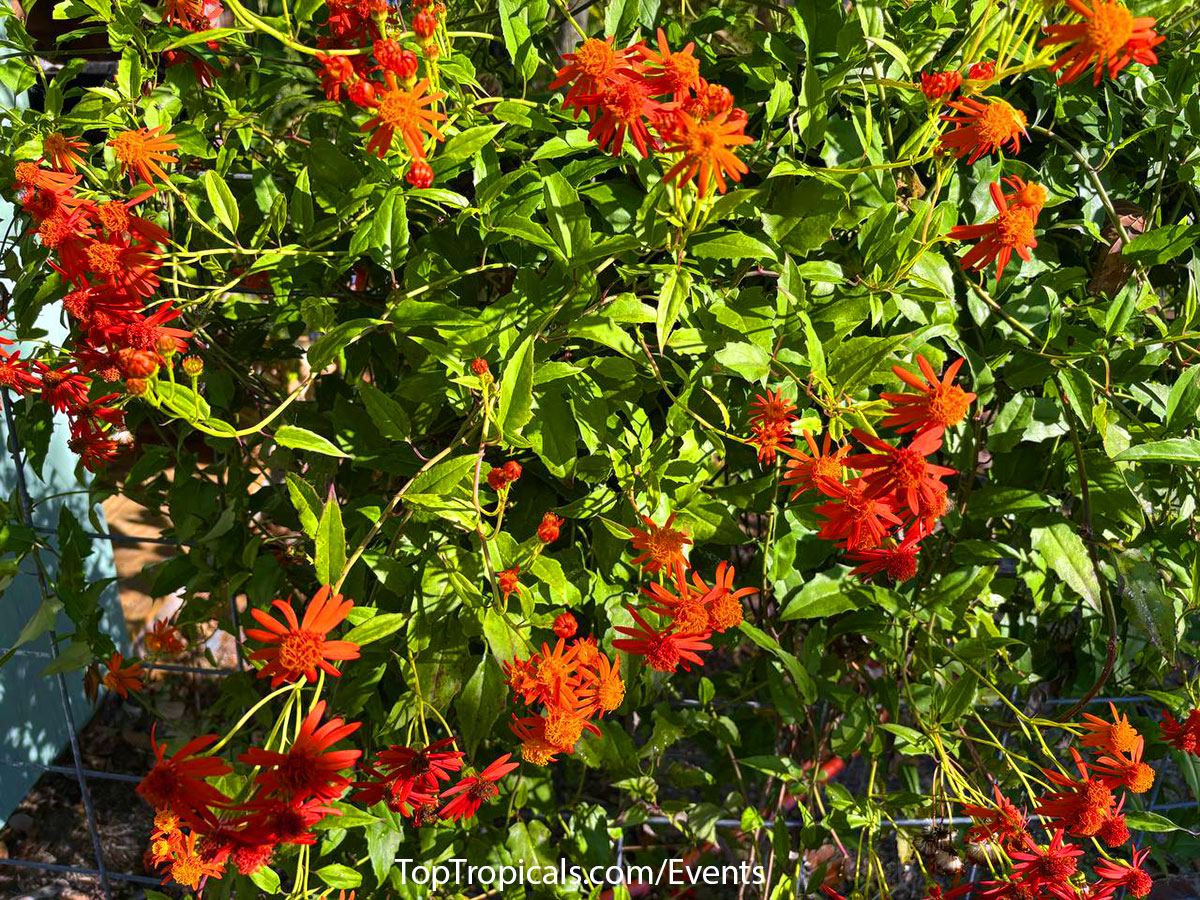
137,386
565,626
193,366
165,345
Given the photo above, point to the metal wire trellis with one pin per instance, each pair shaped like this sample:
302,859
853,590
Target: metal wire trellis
82,774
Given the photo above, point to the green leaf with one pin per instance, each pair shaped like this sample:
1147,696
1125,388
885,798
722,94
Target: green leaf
77,655
616,529
515,407
306,502
671,297
326,348
222,200
468,143
1179,451
264,878
331,544
480,703
960,697
1148,821
183,401
821,596
730,245
203,37
39,623
1065,553
1150,608
799,675
853,362
382,843
783,767
1162,244
1183,402
338,876
750,361
376,628
567,219
389,230
445,476
303,439
388,415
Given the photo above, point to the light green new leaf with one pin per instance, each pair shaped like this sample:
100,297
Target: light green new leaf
515,406
331,543
1065,553
222,200
303,439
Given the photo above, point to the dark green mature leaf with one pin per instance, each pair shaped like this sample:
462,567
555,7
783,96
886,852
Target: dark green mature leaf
388,415
1150,608
1178,451
330,558
326,348
389,230
480,703
671,299
1064,552
1162,244
568,220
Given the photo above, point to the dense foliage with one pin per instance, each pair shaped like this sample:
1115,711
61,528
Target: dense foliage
779,414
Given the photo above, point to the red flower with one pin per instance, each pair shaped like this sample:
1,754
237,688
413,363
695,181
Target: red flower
14,372
901,470
1004,823
1115,875
420,174
565,625
662,546
982,126
336,73
302,646
1184,737
773,409
936,85
982,71
1109,39
676,74
1084,804
62,151
1047,866
309,768
769,439
509,581
178,783
1011,231
593,66
855,519
272,820
664,650
705,147
123,679
899,562
806,470
472,792
940,402
1114,832
623,108
547,531
424,766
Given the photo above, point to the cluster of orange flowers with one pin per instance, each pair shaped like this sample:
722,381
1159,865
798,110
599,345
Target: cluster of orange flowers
1083,807
881,516
660,102
1108,39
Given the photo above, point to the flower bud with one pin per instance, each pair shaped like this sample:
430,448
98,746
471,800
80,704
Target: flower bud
547,531
565,626
165,345
137,363
193,366
137,386
479,367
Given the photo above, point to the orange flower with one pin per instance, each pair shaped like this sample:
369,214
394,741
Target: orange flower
663,546
406,112
1025,193
805,469
940,402
704,144
164,637
1011,231
122,679
671,73
1127,769
773,409
983,126
531,732
509,581
142,150
62,151
604,689
1108,38
593,66
1117,736
547,676
299,648
723,602
189,867
308,768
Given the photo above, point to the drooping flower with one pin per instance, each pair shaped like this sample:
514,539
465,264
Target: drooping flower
123,679
1127,770
309,768
899,562
15,372
939,403
671,73
62,152
982,126
1114,832
475,790
1114,875
1117,736
143,151
664,650
1009,232
901,470
1184,736
623,109
705,147
1082,805
1048,866
300,647
406,112
806,470
178,782
662,547
1109,38
1003,823
509,581
272,820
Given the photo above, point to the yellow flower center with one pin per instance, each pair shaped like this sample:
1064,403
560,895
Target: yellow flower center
537,751
681,70
725,612
610,693
129,147
1109,28
665,544
187,870
563,728
690,617
1122,735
